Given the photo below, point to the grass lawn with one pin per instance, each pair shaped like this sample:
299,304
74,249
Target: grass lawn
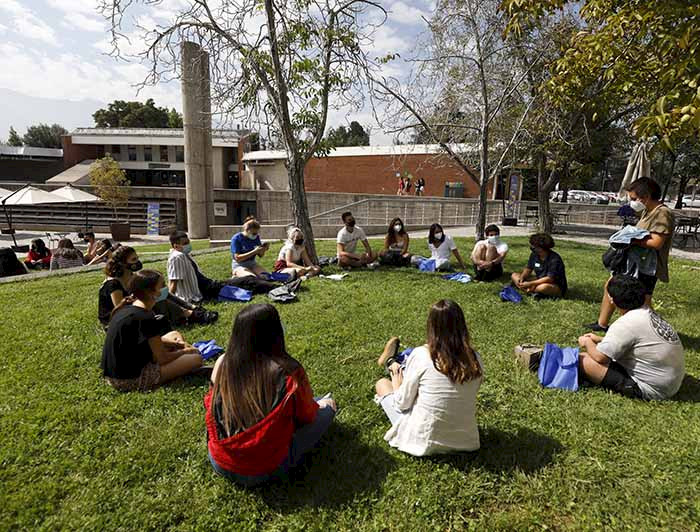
165,246
75,454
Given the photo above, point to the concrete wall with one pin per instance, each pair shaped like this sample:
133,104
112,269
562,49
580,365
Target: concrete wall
29,170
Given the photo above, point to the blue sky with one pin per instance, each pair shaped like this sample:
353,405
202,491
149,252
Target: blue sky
54,66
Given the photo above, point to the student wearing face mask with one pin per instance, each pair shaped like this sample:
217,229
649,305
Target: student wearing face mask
39,256
293,259
246,246
488,255
395,252
441,246
92,246
645,198
545,273
137,356
346,244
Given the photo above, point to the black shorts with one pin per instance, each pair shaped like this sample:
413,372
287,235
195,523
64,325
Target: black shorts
489,275
618,380
649,282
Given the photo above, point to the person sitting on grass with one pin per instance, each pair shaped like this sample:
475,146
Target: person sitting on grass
39,256
641,356
488,255
545,274
293,259
120,269
441,246
347,240
261,416
66,256
431,402
103,252
92,246
10,265
395,252
138,353
245,247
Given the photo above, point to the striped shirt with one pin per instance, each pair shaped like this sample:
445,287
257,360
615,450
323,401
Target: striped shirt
180,269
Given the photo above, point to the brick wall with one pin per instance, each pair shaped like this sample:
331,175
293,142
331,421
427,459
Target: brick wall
75,153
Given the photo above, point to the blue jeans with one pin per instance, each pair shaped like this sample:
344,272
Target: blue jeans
303,441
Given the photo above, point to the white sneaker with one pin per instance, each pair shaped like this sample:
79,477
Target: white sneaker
373,265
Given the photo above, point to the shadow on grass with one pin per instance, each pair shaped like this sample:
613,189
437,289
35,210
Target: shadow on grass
587,293
339,470
689,391
506,452
690,342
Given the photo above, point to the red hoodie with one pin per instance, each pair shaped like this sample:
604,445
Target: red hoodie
260,449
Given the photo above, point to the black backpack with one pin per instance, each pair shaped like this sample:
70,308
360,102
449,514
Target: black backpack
615,259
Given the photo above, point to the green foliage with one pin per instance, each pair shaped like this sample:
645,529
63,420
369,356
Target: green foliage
136,114
14,139
647,52
77,455
355,135
40,136
110,182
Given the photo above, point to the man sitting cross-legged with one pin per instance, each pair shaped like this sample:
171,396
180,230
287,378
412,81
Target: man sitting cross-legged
641,355
347,240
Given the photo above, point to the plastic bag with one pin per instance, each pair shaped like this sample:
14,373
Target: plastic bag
208,349
459,277
233,293
559,367
427,265
509,293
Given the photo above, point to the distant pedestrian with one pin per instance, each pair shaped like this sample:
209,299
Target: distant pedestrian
400,191
420,186
407,186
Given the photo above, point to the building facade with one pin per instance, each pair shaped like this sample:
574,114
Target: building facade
25,164
149,157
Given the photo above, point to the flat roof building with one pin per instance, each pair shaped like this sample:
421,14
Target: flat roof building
26,164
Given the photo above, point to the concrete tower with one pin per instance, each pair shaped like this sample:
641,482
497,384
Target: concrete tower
196,117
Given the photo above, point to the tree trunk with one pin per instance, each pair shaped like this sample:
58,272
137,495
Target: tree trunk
300,209
683,183
545,216
670,175
483,183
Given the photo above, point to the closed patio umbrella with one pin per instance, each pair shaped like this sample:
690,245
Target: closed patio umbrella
27,195
74,195
637,166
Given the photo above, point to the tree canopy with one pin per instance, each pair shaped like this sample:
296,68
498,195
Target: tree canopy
136,114
38,136
14,139
355,135
648,53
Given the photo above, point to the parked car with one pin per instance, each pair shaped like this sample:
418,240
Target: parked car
690,203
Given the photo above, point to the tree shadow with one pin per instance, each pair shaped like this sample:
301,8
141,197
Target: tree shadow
338,470
506,452
689,391
690,342
587,293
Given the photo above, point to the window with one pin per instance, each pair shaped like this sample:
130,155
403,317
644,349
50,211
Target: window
147,153
100,151
164,154
132,152
116,152
180,154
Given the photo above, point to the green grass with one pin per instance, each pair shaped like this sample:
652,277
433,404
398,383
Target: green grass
165,247
74,454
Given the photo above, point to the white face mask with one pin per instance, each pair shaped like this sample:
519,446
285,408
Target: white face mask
637,205
492,239
398,228
438,236
251,236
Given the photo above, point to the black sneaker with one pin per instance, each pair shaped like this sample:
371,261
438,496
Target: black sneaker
596,327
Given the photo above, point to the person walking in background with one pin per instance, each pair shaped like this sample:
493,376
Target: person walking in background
400,191
420,186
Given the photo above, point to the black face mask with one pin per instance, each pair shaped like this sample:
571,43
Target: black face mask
299,241
136,266
86,241
351,223
533,249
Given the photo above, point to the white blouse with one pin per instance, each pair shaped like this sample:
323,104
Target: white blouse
439,416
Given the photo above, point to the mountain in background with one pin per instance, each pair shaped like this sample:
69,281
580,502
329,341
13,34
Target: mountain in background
20,111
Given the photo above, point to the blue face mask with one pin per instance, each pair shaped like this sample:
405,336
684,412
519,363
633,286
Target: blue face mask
187,249
163,294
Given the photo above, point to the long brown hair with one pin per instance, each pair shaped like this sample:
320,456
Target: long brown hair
65,249
116,265
391,235
246,383
141,283
449,343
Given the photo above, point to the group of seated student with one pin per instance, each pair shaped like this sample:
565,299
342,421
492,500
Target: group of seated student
97,251
293,259
442,247
545,273
66,256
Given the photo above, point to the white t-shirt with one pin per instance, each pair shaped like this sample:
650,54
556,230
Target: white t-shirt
296,252
439,415
443,250
649,349
501,247
351,239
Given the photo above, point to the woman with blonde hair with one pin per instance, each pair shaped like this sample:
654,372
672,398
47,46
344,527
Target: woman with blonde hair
293,259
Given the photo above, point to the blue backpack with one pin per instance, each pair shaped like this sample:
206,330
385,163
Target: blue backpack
233,293
509,293
559,367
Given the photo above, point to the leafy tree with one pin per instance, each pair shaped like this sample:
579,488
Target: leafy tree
44,136
14,139
110,182
136,114
355,135
647,53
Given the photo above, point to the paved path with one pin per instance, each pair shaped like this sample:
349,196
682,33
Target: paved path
25,237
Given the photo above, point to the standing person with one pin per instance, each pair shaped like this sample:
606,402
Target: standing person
395,252
545,273
400,191
293,259
246,246
420,186
39,256
641,356
658,219
431,403
346,243
92,246
488,255
66,256
261,416
136,354
441,246
407,186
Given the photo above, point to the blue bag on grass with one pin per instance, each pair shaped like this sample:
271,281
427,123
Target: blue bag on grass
427,265
559,367
459,277
277,277
233,293
208,349
509,293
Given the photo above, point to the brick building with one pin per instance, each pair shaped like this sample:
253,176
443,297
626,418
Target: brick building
365,170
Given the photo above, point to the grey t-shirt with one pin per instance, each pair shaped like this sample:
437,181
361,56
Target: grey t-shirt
649,349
